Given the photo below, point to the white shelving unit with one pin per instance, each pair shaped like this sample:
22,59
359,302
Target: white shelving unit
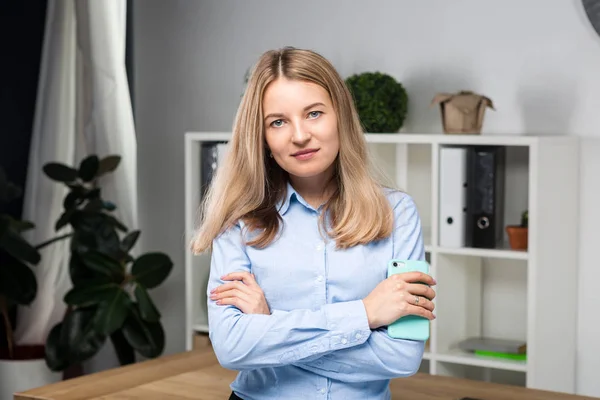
526,295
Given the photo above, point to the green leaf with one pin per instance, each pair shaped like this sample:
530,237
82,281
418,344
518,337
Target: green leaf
151,269
14,244
125,352
95,230
95,205
73,340
60,172
117,224
71,200
20,226
108,164
64,219
103,264
88,168
148,310
17,280
148,338
129,240
91,292
55,352
80,274
111,314
79,336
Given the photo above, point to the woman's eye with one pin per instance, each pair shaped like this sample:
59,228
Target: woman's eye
277,123
314,114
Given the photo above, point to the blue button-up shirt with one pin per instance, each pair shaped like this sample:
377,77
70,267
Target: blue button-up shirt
316,344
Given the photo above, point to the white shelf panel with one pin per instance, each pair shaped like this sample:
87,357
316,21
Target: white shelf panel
208,136
427,356
420,138
484,253
201,328
459,357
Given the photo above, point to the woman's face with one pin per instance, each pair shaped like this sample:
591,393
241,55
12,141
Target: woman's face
301,129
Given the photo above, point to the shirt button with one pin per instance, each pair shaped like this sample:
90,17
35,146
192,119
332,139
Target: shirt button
344,341
322,391
320,278
319,247
358,336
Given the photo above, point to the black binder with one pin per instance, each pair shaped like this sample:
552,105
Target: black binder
209,156
485,196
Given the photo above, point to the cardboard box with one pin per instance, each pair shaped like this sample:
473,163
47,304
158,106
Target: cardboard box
462,112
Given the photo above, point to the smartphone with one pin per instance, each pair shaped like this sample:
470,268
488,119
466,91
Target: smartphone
411,327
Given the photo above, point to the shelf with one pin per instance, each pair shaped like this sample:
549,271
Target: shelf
484,253
463,358
421,138
199,327
496,292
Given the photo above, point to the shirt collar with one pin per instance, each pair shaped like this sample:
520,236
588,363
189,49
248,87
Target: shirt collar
284,204
290,195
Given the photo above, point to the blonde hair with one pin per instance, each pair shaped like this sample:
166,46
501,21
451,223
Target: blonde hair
249,185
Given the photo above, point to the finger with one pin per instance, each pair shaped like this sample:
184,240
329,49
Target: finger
417,277
229,294
420,311
421,290
420,301
233,301
243,276
232,285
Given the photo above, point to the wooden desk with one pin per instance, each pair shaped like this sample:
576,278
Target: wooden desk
197,375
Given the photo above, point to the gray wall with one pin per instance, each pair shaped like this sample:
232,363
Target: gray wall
538,60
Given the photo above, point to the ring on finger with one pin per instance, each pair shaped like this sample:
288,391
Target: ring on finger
416,299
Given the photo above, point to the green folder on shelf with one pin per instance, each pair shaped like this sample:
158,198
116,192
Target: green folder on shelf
508,356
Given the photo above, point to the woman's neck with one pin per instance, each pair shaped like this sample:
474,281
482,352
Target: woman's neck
315,190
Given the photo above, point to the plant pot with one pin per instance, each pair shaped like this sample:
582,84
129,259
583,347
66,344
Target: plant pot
517,237
27,370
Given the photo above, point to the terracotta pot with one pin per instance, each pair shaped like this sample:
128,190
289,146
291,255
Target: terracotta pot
517,237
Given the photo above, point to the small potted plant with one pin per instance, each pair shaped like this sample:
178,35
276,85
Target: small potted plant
381,101
518,234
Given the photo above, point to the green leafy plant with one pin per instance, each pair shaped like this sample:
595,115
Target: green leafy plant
109,298
381,101
525,219
18,284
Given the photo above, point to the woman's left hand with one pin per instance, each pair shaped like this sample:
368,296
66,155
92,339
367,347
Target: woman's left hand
242,292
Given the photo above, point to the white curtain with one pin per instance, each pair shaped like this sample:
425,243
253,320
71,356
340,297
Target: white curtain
83,107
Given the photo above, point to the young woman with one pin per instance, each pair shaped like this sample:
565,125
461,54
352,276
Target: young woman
301,234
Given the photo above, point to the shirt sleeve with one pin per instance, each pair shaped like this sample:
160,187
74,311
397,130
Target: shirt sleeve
381,357
249,341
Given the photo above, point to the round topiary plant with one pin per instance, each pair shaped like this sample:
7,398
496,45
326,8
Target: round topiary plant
381,101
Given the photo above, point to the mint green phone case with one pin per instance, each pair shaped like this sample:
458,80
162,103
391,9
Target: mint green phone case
410,327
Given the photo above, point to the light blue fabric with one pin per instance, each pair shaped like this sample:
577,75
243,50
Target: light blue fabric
316,344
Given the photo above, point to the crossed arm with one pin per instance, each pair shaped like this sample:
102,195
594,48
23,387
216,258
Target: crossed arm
334,341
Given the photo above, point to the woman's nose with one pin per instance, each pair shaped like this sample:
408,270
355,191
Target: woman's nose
300,134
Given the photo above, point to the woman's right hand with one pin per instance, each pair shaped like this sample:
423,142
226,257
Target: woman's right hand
400,295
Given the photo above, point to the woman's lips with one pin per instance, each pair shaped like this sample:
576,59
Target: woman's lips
305,154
